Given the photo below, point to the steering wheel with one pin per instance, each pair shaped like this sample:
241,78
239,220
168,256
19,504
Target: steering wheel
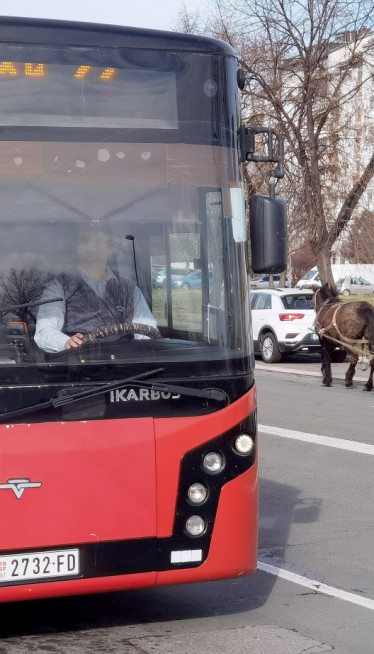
121,328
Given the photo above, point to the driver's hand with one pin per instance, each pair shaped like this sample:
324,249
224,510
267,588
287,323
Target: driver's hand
74,341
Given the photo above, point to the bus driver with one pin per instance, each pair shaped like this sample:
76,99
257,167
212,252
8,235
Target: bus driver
93,298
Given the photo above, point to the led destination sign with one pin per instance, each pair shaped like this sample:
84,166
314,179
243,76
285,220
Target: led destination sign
37,94
10,69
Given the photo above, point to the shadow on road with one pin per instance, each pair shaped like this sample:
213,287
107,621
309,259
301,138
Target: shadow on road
279,507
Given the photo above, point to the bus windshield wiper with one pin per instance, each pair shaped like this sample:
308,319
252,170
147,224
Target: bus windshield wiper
207,393
75,397
37,303
137,380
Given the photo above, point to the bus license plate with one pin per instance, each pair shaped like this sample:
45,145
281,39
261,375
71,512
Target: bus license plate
39,565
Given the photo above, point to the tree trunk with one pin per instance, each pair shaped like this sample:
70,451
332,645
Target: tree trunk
282,281
323,262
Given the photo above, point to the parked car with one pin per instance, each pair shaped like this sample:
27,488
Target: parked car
283,322
157,273
159,277
339,271
192,280
263,281
354,285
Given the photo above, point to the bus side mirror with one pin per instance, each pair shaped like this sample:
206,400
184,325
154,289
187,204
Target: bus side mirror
268,229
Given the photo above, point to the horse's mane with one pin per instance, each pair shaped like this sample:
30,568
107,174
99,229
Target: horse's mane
326,293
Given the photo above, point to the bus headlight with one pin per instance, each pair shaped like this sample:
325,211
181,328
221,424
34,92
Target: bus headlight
213,462
244,444
195,525
197,493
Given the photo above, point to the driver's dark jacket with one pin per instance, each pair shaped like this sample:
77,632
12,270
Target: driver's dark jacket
85,311
49,334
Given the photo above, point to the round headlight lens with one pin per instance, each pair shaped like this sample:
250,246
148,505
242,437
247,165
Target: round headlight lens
244,444
195,525
213,462
197,493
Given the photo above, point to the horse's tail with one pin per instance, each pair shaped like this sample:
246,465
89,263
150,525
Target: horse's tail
371,331
366,313
370,325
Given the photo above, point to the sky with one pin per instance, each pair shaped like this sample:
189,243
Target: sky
154,14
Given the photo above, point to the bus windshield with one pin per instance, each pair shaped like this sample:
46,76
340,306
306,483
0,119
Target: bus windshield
82,150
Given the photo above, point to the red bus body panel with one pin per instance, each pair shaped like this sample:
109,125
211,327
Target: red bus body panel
118,479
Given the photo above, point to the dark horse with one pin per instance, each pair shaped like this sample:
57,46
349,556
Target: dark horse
350,324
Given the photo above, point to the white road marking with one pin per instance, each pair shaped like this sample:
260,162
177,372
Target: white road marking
316,586
339,443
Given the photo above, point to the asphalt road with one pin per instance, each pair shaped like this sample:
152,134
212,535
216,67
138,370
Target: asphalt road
291,396
316,533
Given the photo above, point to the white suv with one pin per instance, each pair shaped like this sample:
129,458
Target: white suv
283,322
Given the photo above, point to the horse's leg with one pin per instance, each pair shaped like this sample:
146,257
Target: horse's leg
323,359
353,358
326,351
369,384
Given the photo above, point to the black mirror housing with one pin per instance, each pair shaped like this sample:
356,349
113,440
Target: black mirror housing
268,230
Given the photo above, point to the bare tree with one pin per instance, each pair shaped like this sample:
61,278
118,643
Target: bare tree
308,64
22,287
358,246
188,22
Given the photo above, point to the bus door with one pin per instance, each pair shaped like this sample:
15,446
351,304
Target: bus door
188,286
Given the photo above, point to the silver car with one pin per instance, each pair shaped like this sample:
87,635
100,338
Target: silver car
263,281
354,286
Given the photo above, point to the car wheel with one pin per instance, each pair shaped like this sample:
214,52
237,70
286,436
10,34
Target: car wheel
346,292
185,285
269,349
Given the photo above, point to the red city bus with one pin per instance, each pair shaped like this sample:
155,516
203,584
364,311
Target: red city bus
129,461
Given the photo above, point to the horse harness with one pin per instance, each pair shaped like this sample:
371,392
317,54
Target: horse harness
359,347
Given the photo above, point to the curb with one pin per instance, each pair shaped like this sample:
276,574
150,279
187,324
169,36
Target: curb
292,371
304,372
